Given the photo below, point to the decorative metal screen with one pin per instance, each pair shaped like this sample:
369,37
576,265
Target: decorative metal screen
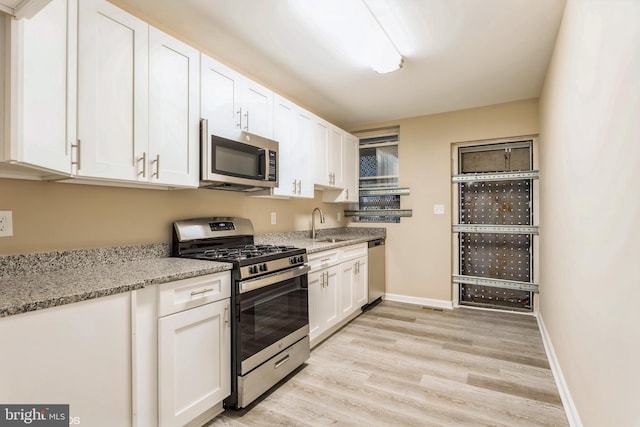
501,256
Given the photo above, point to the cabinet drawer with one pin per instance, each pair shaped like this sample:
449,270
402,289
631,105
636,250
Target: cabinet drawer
188,293
352,252
323,259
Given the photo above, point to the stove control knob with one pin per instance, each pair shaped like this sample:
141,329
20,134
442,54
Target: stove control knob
301,258
253,269
263,267
292,260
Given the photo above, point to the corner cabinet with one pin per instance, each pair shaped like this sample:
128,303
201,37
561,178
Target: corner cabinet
77,354
338,288
232,102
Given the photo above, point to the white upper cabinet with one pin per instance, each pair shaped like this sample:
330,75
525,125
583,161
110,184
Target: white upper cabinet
232,102
220,97
174,111
350,176
321,130
43,81
257,109
137,100
292,130
113,93
303,150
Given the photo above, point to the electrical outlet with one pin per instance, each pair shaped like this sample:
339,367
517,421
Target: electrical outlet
339,216
274,218
6,224
438,209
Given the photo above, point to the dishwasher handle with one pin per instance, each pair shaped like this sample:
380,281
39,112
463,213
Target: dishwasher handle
377,242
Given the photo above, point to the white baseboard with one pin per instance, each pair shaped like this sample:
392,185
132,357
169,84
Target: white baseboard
427,302
567,401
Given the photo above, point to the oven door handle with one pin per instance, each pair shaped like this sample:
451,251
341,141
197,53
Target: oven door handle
261,282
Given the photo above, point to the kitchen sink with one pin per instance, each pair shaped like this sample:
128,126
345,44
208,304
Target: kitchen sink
332,240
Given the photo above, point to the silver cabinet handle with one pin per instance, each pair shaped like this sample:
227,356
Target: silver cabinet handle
300,187
239,113
157,162
201,292
294,186
143,159
226,315
78,157
246,125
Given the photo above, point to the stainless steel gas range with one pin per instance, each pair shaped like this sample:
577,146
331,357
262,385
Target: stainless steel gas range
269,301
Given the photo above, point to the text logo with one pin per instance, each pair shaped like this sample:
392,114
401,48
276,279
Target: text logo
34,415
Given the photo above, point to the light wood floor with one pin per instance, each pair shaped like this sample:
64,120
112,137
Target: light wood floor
404,365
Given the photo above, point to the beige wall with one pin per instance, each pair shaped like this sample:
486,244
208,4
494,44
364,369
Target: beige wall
590,208
419,250
54,216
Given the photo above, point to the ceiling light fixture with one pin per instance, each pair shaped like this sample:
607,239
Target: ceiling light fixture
388,59
354,29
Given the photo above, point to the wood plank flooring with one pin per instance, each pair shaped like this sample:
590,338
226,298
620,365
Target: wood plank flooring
405,365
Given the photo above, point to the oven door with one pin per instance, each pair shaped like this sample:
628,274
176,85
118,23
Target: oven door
273,314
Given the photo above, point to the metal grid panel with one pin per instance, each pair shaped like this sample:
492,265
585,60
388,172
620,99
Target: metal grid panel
496,202
507,202
485,296
498,256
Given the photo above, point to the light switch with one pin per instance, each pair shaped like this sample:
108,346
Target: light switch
438,209
274,218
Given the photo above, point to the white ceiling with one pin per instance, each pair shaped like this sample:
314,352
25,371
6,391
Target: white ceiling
459,53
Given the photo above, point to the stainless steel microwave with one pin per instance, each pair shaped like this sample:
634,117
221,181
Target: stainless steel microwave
244,162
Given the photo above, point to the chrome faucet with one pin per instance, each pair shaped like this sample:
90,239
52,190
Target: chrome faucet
313,221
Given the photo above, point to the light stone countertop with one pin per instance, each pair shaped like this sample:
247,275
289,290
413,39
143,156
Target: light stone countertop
37,281
302,239
43,289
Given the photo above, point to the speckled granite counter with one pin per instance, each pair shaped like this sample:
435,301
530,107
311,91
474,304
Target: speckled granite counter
36,281
302,239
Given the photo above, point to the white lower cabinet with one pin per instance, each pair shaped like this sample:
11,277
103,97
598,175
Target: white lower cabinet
323,300
338,288
193,362
77,354
182,351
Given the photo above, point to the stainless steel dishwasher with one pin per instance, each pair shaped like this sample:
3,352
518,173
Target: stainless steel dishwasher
377,272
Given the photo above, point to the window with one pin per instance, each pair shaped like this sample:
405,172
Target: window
380,189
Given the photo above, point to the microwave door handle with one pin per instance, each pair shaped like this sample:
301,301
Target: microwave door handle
263,164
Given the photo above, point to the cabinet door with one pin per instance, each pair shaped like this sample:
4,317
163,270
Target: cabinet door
316,283
257,108
361,282
112,92
347,287
194,363
336,137
283,128
174,103
330,298
220,96
46,86
350,169
302,150
321,151
79,354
